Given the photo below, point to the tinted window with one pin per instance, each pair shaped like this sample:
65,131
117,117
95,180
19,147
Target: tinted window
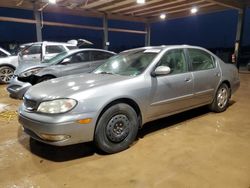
175,60
72,47
201,60
35,49
80,57
98,55
2,54
54,49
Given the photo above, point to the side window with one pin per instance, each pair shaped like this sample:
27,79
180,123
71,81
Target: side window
175,60
53,49
32,50
99,55
2,54
80,57
201,60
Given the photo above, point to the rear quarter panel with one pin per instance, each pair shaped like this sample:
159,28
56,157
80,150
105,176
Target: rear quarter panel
229,73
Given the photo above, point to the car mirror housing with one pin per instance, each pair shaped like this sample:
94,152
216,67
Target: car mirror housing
65,61
161,71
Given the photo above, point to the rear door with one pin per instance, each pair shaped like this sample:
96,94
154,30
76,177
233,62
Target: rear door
77,63
206,74
173,92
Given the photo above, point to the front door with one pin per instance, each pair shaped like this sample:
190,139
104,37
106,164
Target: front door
32,54
173,92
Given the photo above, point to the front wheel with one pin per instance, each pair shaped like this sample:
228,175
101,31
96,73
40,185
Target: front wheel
117,128
6,73
221,99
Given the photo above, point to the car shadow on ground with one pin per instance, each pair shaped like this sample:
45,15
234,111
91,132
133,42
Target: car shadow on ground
67,153
173,120
56,153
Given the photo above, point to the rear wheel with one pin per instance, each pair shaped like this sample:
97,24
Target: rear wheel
6,73
117,128
44,78
221,99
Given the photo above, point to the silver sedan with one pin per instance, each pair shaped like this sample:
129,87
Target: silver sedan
66,63
109,105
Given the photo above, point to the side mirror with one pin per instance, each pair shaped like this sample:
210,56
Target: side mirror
161,71
65,61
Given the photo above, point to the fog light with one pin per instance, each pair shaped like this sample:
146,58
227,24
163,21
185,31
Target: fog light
54,137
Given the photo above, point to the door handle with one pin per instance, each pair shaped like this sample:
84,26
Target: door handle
187,79
217,74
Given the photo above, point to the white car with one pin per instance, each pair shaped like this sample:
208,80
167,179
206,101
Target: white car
8,64
40,51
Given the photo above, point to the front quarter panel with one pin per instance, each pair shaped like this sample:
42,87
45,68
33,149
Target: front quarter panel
96,99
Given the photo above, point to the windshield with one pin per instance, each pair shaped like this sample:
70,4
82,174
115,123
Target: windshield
130,63
56,59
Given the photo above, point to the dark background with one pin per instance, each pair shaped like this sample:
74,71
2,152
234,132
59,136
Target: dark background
215,31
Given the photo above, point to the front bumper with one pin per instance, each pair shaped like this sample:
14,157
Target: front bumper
76,132
17,88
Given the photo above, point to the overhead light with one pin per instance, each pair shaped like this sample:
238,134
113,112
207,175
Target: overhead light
140,1
52,1
194,10
163,16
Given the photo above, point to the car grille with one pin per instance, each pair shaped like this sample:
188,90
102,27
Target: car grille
30,104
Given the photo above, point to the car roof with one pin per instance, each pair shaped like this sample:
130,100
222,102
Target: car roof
163,47
89,49
54,43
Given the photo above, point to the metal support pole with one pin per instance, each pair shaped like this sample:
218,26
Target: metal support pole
239,34
105,32
148,34
37,17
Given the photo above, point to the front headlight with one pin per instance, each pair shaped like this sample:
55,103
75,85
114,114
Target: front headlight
57,106
30,72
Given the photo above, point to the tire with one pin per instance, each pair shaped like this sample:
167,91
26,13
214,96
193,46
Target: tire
116,129
221,99
44,78
6,73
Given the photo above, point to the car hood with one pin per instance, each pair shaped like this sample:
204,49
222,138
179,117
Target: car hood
64,87
27,66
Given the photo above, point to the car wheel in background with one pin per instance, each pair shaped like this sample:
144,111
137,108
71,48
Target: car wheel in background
221,99
117,128
6,73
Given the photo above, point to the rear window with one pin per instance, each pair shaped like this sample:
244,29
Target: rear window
201,60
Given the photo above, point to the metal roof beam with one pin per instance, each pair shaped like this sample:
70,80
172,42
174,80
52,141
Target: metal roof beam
58,24
228,3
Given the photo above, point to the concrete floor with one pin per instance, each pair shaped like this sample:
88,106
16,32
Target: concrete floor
193,149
